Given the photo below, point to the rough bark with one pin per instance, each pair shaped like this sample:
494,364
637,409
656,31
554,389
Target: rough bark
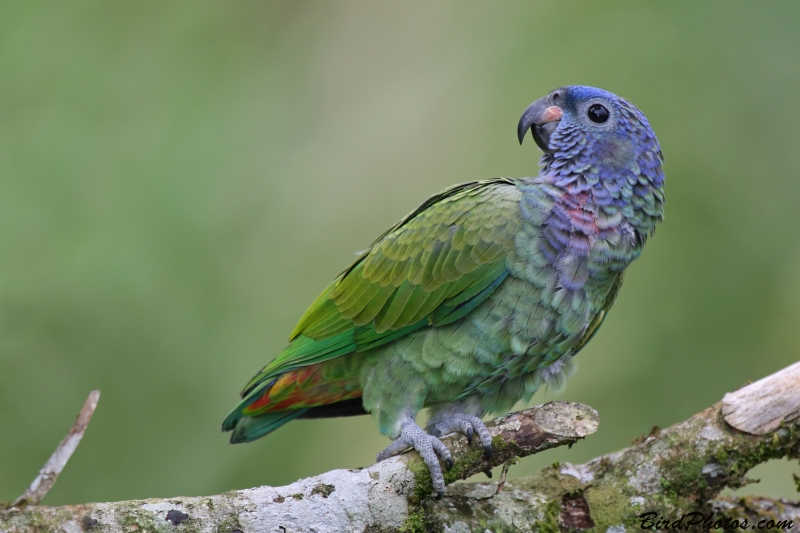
670,472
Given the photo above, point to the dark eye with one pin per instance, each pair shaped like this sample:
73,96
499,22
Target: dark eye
598,113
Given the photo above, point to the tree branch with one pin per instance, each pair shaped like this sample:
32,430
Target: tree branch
342,500
668,473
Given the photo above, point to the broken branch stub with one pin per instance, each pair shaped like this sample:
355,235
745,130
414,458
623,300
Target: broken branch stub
48,475
760,408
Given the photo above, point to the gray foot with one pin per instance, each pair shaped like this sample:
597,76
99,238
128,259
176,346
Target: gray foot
428,447
466,424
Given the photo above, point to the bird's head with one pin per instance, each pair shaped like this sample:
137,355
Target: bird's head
579,126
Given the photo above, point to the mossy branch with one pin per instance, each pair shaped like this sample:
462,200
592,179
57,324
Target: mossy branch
669,472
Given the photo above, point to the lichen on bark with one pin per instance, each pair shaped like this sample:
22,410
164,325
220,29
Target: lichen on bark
670,472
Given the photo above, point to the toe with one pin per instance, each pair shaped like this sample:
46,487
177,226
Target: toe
483,433
396,447
465,428
430,449
442,451
437,477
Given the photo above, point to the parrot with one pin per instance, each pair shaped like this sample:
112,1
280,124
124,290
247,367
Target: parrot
481,295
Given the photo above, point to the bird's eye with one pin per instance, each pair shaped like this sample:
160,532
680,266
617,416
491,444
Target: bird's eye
598,113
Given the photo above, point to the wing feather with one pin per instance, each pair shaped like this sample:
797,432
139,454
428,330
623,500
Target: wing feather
432,267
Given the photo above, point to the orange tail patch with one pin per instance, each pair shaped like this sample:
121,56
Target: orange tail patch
307,386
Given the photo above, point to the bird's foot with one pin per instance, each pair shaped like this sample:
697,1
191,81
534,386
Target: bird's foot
428,447
466,424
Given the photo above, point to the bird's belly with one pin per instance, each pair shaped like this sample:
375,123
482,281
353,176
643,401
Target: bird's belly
501,352
523,335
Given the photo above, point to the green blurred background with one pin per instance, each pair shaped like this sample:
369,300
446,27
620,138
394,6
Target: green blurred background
180,180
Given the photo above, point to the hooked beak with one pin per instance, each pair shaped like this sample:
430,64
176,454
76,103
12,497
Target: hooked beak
541,117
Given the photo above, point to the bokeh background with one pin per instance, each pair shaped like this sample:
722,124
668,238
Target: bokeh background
180,180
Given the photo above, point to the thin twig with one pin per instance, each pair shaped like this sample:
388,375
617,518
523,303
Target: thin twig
49,473
502,482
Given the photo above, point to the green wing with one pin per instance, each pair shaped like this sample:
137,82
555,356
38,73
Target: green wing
430,269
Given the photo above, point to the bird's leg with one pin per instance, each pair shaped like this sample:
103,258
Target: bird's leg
428,447
453,420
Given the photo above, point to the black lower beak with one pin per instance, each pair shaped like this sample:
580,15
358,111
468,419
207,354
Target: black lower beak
542,118
541,134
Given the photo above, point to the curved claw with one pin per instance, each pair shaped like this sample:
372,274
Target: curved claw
487,451
469,435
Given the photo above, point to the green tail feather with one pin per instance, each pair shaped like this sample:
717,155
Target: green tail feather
250,428
231,420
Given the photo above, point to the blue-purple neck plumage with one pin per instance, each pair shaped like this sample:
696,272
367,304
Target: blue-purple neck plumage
479,296
601,183
603,146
